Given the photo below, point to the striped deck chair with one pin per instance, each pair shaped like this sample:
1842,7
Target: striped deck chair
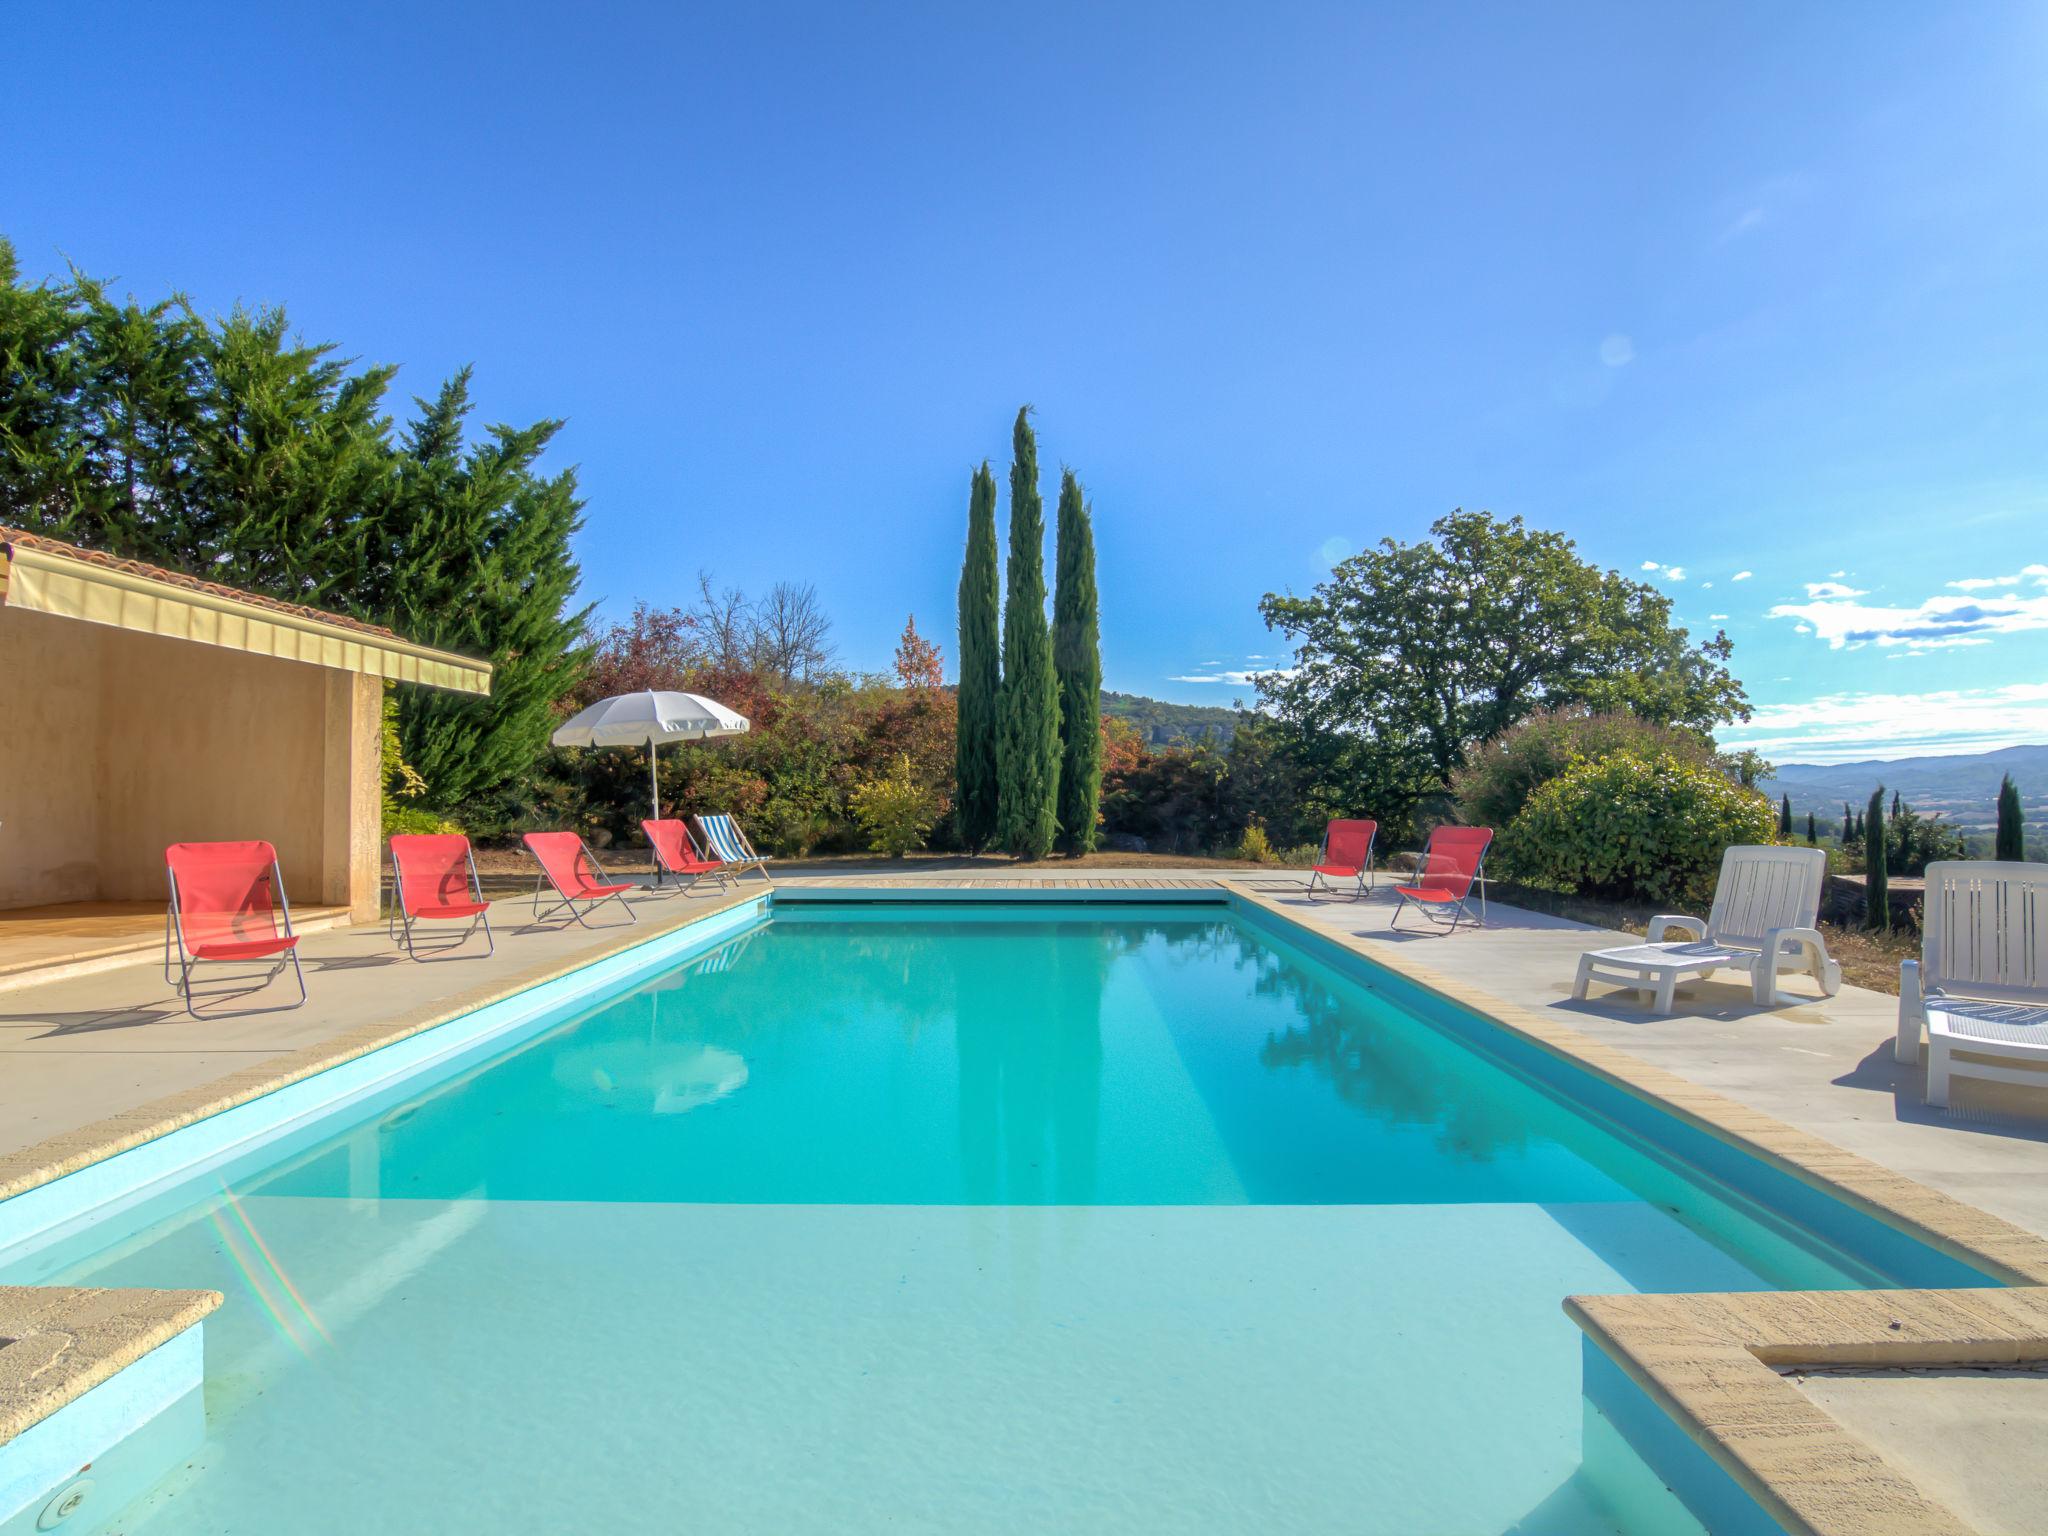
566,864
1452,861
1346,855
676,853
227,905
729,845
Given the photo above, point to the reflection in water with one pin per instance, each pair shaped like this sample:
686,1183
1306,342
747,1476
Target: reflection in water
1031,1079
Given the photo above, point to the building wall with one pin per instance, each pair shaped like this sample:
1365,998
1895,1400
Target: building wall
145,741
49,734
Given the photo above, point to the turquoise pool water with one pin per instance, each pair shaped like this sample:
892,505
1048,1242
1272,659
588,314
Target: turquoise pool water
909,1219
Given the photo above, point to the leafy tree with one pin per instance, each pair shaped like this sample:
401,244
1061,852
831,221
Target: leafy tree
1077,658
2010,844
1785,815
975,798
1028,724
1410,653
918,662
1879,916
230,449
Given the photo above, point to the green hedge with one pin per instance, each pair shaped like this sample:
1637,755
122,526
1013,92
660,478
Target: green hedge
1627,828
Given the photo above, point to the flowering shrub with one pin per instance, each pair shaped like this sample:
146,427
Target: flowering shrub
1633,828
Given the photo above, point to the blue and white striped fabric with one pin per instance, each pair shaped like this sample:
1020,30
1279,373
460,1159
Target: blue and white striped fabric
730,847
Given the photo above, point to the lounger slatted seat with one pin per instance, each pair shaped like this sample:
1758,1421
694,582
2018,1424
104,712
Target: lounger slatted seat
434,879
567,865
1762,922
1346,855
227,905
724,840
1452,862
676,854
1980,986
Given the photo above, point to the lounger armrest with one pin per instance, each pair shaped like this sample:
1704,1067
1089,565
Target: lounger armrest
1778,938
1691,925
1912,1012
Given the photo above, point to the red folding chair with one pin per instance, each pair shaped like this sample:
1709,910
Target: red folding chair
1346,855
227,905
676,853
567,865
1452,861
433,878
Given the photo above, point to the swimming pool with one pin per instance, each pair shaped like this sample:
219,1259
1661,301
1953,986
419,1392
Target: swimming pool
949,1218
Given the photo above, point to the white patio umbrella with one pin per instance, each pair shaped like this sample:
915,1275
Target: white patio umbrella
647,720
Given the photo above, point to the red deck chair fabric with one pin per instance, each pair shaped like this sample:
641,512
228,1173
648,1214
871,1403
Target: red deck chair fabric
676,853
1452,860
1347,855
433,876
567,865
227,903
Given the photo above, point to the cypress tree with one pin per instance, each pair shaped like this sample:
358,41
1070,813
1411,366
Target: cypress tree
2011,843
1879,916
1812,830
1785,815
1077,658
1028,735
981,669
1848,824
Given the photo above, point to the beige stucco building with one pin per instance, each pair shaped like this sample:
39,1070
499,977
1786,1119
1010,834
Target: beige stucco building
140,707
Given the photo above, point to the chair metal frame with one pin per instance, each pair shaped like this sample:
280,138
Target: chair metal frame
569,899
398,924
175,945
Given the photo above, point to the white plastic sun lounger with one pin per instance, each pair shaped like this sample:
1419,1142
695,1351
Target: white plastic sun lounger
1762,922
1980,986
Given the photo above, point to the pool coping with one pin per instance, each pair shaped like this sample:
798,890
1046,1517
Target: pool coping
1709,1361
58,1342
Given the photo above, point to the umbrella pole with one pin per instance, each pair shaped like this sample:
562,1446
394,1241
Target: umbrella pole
654,794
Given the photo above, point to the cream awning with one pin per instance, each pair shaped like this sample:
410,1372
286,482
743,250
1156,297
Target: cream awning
45,581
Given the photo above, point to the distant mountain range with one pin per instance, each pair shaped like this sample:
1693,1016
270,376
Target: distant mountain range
1963,788
1160,724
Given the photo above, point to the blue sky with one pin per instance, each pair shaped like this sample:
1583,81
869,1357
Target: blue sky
1735,290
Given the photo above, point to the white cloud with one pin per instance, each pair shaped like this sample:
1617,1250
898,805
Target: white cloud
1743,223
1836,575
1668,572
1939,623
1704,585
1232,679
1832,589
1651,565
1331,550
2038,574
1742,575
1617,351
1845,727
1715,618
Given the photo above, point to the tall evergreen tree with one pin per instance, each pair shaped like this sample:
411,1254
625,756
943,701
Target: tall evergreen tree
1878,917
1848,825
975,797
1812,830
2011,842
1785,815
1028,738
1077,658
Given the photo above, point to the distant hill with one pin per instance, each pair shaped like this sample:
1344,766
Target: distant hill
1160,724
1964,788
